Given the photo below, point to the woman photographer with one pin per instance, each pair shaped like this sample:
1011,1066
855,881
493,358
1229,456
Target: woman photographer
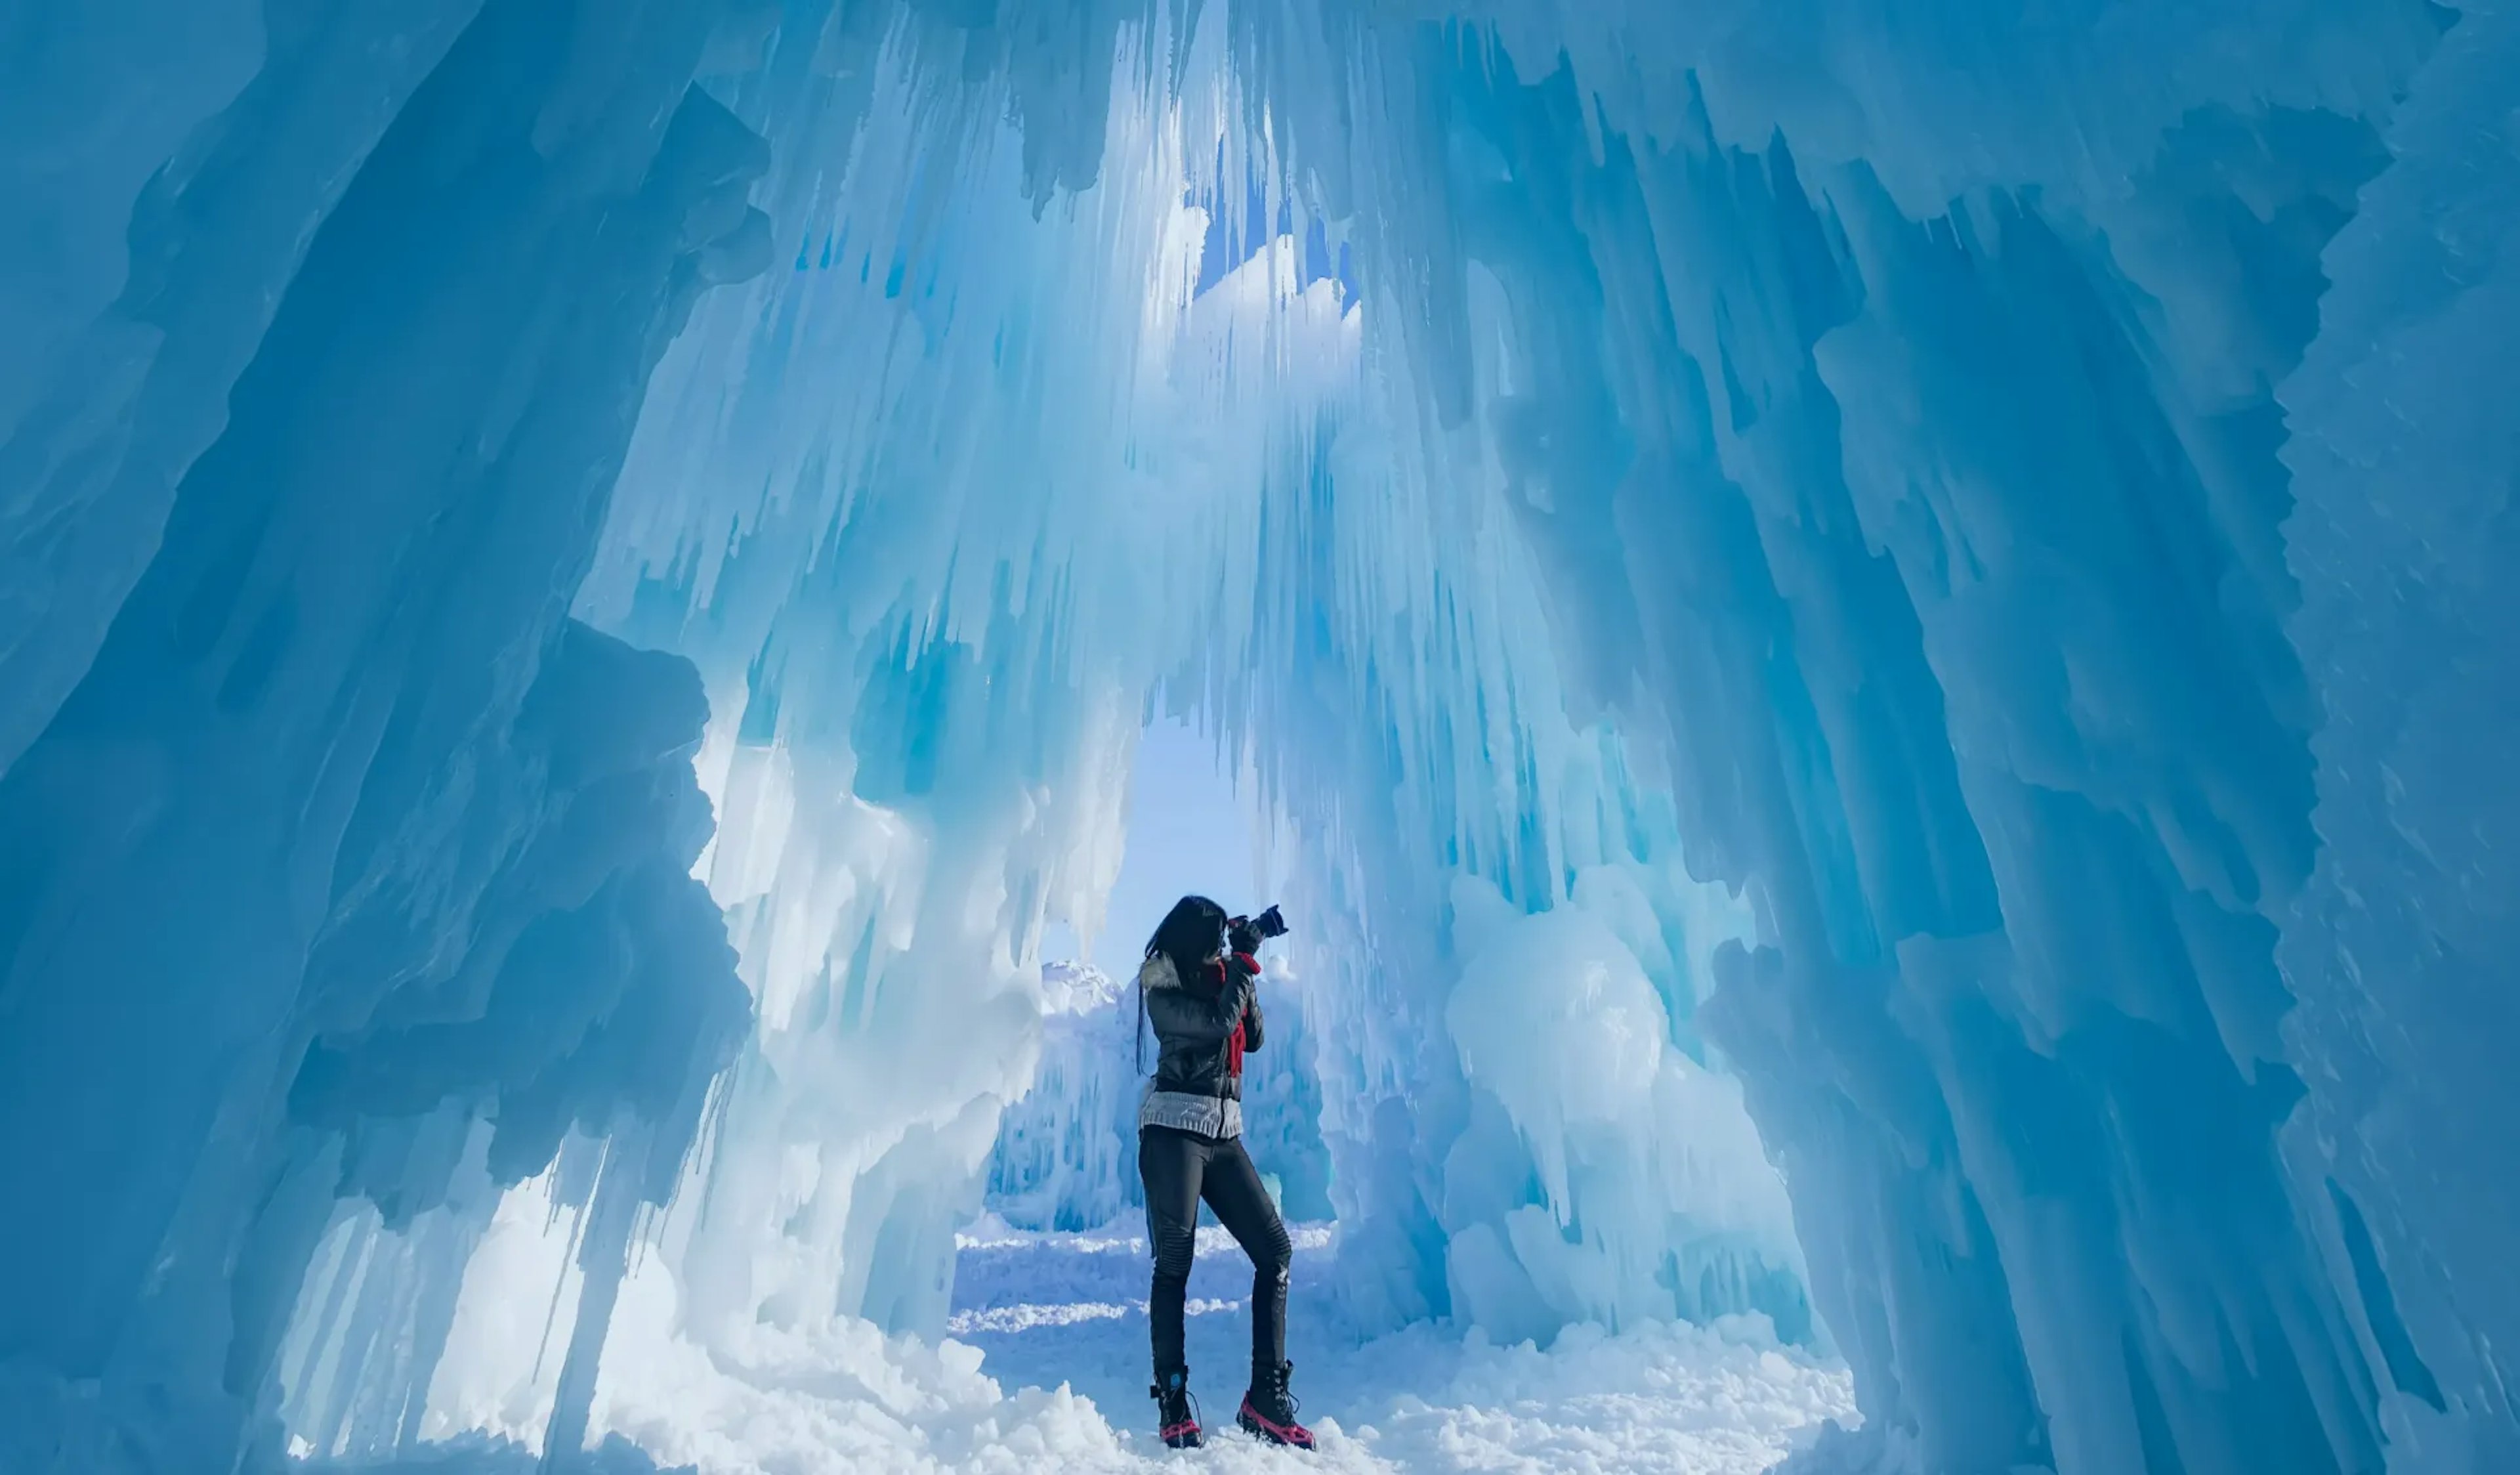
1199,987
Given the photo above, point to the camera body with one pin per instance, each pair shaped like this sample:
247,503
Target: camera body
1247,933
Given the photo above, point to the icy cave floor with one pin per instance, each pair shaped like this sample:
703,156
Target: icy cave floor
1046,1370
1671,1400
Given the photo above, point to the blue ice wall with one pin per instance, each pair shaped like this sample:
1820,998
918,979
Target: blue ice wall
2398,946
325,830
1911,460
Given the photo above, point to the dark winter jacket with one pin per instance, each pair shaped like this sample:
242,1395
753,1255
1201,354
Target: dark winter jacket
1203,1024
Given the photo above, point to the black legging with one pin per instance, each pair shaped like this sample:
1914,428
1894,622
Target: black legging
1180,1169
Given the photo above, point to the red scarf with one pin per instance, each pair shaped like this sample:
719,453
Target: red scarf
1234,1042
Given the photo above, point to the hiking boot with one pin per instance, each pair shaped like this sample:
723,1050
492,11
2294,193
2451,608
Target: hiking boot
1176,1415
1269,1410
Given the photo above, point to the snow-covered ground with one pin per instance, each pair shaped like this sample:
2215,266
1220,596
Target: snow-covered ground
1045,1369
1046,1310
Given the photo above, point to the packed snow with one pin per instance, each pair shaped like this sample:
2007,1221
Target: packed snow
1044,1366
1664,1397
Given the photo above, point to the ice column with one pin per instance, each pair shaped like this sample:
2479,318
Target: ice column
340,782
1905,473
2398,947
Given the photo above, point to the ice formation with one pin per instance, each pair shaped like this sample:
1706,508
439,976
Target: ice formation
1062,1158
1870,637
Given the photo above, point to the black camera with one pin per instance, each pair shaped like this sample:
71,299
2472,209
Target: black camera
1256,930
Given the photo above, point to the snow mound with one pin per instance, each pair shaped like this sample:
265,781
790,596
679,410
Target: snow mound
1069,989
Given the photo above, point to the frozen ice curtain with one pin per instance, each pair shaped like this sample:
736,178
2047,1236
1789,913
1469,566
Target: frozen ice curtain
1871,641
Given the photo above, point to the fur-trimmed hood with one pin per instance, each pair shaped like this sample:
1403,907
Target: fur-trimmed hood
1158,973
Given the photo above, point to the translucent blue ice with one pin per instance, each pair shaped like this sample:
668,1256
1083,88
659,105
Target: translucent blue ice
1875,642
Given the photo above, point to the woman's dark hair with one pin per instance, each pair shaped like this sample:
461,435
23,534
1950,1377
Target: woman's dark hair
1190,934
